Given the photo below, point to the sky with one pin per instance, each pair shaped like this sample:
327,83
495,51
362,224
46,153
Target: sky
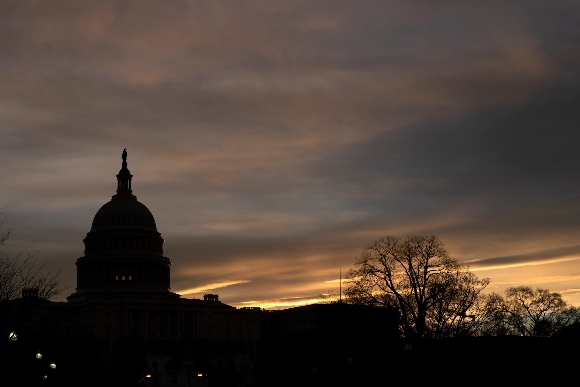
274,140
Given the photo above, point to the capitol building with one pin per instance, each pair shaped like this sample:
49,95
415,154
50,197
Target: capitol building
124,284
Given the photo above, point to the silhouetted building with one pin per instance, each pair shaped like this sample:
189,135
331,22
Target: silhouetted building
124,284
123,251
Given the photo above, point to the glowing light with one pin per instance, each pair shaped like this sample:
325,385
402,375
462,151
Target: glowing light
45,376
13,336
39,355
148,375
282,303
52,366
210,287
522,264
336,281
199,375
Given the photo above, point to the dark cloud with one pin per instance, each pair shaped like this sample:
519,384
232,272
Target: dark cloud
514,260
273,140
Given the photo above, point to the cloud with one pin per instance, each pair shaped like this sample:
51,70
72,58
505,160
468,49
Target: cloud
273,140
526,263
210,287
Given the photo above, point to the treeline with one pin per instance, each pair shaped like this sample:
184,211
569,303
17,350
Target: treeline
437,296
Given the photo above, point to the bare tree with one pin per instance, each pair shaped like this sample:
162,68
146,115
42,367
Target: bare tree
19,271
528,312
435,294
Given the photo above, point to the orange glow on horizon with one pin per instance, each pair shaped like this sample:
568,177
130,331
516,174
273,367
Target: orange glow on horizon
522,264
211,287
281,304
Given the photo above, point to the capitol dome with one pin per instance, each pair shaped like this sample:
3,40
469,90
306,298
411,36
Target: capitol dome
123,249
123,212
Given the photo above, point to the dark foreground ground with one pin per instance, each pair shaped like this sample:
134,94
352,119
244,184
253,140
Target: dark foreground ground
322,359
457,362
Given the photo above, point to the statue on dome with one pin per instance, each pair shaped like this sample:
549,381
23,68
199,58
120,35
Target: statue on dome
124,156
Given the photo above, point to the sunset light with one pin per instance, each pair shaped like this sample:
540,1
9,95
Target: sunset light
289,193
271,152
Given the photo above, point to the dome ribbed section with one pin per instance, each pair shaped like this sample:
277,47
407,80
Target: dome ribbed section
123,212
